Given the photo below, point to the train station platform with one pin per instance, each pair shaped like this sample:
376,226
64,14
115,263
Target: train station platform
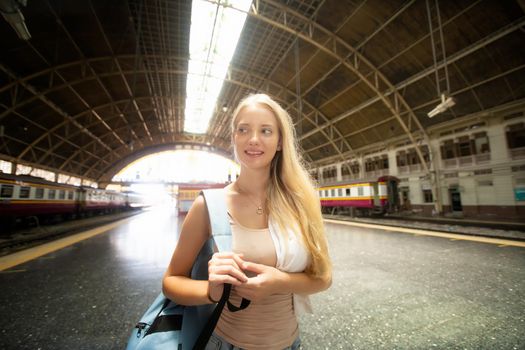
390,290
514,230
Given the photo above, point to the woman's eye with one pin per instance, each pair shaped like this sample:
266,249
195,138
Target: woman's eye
267,131
241,130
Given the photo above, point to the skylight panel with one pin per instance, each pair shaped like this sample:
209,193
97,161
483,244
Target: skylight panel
215,31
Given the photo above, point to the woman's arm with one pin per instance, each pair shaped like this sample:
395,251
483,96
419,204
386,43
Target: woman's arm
176,284
222,268
270,280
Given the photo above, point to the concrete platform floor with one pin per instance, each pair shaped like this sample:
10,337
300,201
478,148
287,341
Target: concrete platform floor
390,291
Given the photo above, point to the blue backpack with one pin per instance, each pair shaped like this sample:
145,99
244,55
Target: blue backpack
167,325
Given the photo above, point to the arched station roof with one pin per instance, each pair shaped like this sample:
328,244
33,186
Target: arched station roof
102,81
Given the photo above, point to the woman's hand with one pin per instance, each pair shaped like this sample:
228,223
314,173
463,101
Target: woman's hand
224,267
268,281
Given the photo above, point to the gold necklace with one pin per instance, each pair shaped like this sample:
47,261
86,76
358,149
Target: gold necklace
260,209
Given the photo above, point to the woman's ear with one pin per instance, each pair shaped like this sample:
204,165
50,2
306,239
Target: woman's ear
279,147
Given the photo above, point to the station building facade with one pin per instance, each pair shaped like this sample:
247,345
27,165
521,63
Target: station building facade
477,164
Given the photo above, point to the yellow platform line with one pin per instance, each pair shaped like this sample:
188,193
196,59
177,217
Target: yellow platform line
490,240
25,255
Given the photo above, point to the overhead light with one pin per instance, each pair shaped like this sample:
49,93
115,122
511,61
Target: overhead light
10,10
446,103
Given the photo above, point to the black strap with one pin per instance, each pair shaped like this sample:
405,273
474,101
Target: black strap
165,323
244,305
214,318
205,335
157,319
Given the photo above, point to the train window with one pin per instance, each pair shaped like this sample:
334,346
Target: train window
348,192
24,192
62,194
69,194
6,191
340,192
51,194
332,192
39,193
360,191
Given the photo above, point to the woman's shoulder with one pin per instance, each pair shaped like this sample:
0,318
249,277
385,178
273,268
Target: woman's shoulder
198,211
199,202
229,190
230,193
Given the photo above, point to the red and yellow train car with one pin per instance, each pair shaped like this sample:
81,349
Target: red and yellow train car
363,197
23,197
31,196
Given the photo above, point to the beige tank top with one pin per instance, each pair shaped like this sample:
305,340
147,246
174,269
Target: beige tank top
269,323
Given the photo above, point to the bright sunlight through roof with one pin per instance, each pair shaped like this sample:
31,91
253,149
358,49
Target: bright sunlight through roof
215,31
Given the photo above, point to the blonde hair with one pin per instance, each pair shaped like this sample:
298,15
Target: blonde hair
291,192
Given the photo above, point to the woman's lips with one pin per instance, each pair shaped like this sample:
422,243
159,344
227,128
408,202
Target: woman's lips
254,153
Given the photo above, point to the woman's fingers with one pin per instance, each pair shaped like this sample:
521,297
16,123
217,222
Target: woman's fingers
227,263
221,279
227,270
239,261
226,255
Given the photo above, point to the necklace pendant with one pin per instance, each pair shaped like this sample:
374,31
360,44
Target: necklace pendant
259,211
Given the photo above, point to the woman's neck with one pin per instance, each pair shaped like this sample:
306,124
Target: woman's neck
254,183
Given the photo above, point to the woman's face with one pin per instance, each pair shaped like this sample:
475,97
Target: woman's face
256,136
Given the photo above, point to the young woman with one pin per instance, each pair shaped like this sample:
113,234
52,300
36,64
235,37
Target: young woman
280,253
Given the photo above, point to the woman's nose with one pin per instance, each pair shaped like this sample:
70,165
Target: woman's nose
254,138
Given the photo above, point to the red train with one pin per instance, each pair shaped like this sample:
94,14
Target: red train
361,197
24,197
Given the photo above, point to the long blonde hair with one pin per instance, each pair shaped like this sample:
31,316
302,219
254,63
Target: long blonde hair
291,194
